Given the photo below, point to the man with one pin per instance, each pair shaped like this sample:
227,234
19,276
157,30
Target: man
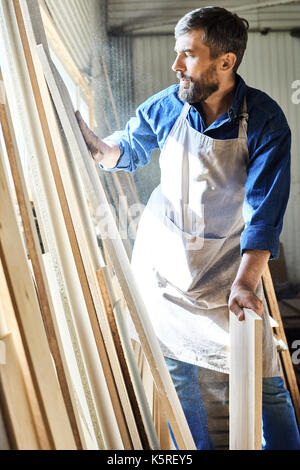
212,224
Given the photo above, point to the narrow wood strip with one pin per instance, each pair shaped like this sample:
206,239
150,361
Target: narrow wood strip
16,401
285,355
139,438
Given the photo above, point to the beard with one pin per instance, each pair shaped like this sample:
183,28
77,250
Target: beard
199,90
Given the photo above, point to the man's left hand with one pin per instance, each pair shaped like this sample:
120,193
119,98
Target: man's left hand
243,297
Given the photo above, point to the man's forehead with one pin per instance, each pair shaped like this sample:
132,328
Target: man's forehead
190,41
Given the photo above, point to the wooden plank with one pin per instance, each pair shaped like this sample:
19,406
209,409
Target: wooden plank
8,320
5,444
161,423
15,396
14,400
138,427
75,360
27,310
286,360
34,251
245,382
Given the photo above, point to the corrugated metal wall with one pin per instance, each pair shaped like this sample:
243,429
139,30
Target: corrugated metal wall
120,70
72,20
271,63
161,15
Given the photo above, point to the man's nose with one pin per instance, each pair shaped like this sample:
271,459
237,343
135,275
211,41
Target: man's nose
178,65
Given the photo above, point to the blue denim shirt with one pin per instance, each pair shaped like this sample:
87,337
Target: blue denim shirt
269,141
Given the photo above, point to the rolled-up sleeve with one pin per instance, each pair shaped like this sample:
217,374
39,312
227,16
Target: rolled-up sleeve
136,142
266,193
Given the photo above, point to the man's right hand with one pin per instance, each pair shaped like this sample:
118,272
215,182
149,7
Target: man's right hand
105,152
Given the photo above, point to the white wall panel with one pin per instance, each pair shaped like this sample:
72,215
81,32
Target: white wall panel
271,63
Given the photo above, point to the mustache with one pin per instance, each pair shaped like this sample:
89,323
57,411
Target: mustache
181,75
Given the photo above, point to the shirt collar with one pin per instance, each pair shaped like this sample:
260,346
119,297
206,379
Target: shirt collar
240,90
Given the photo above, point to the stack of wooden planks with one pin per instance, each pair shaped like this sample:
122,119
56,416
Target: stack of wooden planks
70,376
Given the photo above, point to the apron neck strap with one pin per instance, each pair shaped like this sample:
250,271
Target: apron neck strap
185,110
243,117
243,120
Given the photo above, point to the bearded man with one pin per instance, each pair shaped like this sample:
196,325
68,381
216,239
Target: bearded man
214,221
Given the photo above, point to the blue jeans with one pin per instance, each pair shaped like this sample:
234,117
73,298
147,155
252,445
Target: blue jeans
280,430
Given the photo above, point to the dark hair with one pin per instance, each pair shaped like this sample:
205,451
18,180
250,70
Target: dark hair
223,31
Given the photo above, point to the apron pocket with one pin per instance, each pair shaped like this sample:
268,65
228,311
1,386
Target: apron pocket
184,257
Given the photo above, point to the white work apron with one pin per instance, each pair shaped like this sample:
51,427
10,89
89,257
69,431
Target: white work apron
187,250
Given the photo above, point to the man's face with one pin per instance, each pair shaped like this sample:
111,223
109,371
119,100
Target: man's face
195,68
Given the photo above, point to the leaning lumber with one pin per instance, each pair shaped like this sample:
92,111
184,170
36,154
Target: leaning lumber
120,262
35,255
285,357
27,311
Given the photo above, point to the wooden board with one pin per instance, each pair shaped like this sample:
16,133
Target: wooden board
286,361
34,251
16,406
9,325
27,310
16,398
245,382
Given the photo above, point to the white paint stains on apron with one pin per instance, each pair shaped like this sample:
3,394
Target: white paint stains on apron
187,251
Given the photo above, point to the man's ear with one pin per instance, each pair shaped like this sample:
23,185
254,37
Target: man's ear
228,61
